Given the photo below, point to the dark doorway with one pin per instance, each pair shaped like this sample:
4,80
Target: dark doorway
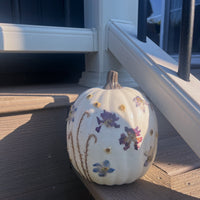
37,68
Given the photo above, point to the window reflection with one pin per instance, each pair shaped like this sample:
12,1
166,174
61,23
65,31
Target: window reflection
154,20
174,16
174,26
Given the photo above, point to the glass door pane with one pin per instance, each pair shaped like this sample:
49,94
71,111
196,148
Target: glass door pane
163,24
154,20
174,27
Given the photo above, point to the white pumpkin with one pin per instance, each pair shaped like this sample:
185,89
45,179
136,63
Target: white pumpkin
112,134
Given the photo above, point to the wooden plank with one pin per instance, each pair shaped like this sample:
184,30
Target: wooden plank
156,184
142,189
65,191
33,157
157,176
10,104
187,183
139,190
174,156
29,153
18,99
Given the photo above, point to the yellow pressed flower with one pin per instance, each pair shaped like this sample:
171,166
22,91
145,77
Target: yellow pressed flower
107,150
122,107
89,96
97,104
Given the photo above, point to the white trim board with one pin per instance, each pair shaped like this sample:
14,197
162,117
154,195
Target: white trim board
28,38
155,72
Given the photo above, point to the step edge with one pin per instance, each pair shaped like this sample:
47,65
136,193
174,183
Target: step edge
27,103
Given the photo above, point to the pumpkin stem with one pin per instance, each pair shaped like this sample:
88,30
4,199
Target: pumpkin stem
112,81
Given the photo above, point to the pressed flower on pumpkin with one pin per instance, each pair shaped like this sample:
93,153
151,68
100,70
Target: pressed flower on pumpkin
108,119
140,103
71,114
103,169
133,135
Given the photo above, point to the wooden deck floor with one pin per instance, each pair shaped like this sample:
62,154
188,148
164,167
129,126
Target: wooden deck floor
33,157
175,173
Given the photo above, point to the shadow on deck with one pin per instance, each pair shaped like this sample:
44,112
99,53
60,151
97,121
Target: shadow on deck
33,159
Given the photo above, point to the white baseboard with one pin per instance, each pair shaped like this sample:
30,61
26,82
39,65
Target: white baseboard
29,38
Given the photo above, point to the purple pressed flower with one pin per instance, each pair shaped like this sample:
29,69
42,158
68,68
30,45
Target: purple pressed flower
108,119
140,103
122,139
133,135
103,169
98,129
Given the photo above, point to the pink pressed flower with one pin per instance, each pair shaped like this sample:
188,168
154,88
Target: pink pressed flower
133,135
